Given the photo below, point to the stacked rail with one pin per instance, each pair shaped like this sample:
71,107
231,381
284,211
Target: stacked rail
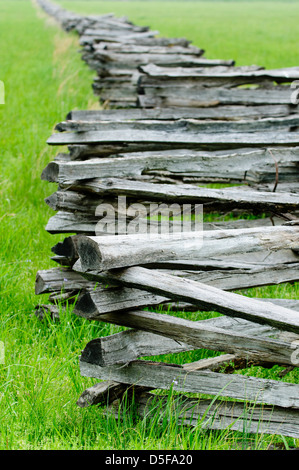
191,124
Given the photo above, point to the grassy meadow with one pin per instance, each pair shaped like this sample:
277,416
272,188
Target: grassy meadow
44,79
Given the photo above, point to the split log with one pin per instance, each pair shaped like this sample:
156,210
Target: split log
245,278
106,392
205,296
93,40
109,35
133,344
238,165
102,253
154,48
219,415
67,249
152,195
253,73
163,376
154,201
68,222
64,280
197,97
218,112
187,125
134,60
60,279
188,335
177,138
106,298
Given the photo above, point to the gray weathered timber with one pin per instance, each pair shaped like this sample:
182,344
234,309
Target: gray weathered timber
219,415
67,249
112,35
192,96
249,72
238,165
73,201
60,279
196,335
206,296
102,253
126,49
96,296
117,59
101,393
93,40
43,310
114,299
163,376
81,223
221,112
105,393
133,343
212,199
283,187
285,124
69,222
171,139
243,278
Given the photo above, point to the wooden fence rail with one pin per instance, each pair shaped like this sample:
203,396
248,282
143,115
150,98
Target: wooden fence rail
173,124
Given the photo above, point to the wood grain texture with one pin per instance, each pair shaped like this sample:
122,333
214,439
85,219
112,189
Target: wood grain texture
102,253
164,376
206,296
189,335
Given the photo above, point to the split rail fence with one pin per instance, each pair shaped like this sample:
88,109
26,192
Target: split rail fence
176,124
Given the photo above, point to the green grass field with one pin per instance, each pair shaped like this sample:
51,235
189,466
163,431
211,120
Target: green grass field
44,79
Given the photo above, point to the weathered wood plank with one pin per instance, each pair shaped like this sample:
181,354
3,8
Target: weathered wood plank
197,335
197,97
205,296
105,393
63,279
171,139
251,72
133,343
260,125
93,40
162,376
60,279
134,60
84,224
218,112
105,298
126,49
219,415
251,260
238,165
102,253
151,195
